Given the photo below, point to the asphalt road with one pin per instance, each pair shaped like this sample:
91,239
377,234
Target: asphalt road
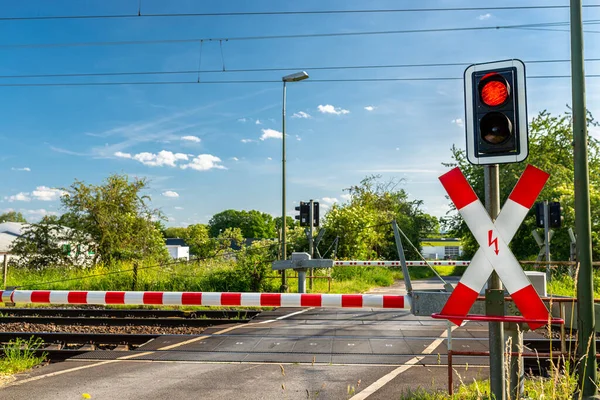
283,354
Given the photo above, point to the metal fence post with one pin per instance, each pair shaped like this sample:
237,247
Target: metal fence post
5,269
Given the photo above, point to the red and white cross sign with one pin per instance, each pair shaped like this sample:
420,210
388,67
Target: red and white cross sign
493,238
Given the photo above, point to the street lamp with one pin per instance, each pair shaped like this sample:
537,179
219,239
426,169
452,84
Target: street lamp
296,77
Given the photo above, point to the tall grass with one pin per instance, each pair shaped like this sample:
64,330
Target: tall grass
20,355
215,275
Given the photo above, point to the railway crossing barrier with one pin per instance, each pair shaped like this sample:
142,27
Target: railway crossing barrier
206,299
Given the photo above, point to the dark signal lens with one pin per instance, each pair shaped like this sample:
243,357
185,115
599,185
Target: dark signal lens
495,128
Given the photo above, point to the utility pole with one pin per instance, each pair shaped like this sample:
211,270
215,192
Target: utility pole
494,295
283,214
585,287
311,249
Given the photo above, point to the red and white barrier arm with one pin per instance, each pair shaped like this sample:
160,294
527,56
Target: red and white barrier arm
397,263
207,299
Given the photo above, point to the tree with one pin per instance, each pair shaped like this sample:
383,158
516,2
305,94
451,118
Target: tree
253,224
12,216
117,218
290,223
364,222
550,149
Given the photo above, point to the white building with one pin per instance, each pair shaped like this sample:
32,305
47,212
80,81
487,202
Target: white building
441,248
10,231
178,249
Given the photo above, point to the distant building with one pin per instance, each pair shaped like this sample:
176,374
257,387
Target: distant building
10,231
441,248
177,248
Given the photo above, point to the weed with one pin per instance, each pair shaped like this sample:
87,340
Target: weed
20,355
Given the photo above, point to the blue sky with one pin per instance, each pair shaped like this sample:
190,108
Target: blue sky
210,147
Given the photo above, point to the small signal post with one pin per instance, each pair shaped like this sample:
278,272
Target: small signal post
497,133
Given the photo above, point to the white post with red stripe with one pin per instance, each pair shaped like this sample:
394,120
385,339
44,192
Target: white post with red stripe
207,299
494,253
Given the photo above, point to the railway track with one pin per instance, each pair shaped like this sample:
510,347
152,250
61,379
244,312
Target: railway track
128,313
123,317
67,332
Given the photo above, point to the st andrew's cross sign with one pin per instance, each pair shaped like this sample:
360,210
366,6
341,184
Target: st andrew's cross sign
493,239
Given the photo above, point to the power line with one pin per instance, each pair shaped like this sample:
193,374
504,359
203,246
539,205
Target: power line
298,12
291,36
225,82
269,69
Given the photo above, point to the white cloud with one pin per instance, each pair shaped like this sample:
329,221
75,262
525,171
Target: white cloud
369,108
458,122
346,196
26,169
270,134
45,193
18,197
204,162
178,208
170,193
257,122
301,114
163,158
235,159
242,120
269,158
329,201
122,155
397,148
329,109
298,138
247,140
483,17
191,138
39,213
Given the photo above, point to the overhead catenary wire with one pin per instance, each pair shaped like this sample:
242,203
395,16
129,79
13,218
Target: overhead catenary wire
288,36
139,13
278,81
265,69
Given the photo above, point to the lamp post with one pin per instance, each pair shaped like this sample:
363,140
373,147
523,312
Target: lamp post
296,77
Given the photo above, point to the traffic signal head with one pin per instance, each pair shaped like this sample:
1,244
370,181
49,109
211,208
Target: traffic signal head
539,214
496,112
315,213
303,217
555,217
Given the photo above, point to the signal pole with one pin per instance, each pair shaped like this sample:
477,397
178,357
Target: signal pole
585,287
494,295
547,239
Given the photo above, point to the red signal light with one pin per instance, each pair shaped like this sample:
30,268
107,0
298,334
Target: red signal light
494,93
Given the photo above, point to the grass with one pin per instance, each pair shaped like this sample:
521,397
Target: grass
562,284
208,276
19,356
560,386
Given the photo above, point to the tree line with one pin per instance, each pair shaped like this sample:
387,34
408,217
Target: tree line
114,222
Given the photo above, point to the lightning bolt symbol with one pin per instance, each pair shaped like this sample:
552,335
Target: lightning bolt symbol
493,241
